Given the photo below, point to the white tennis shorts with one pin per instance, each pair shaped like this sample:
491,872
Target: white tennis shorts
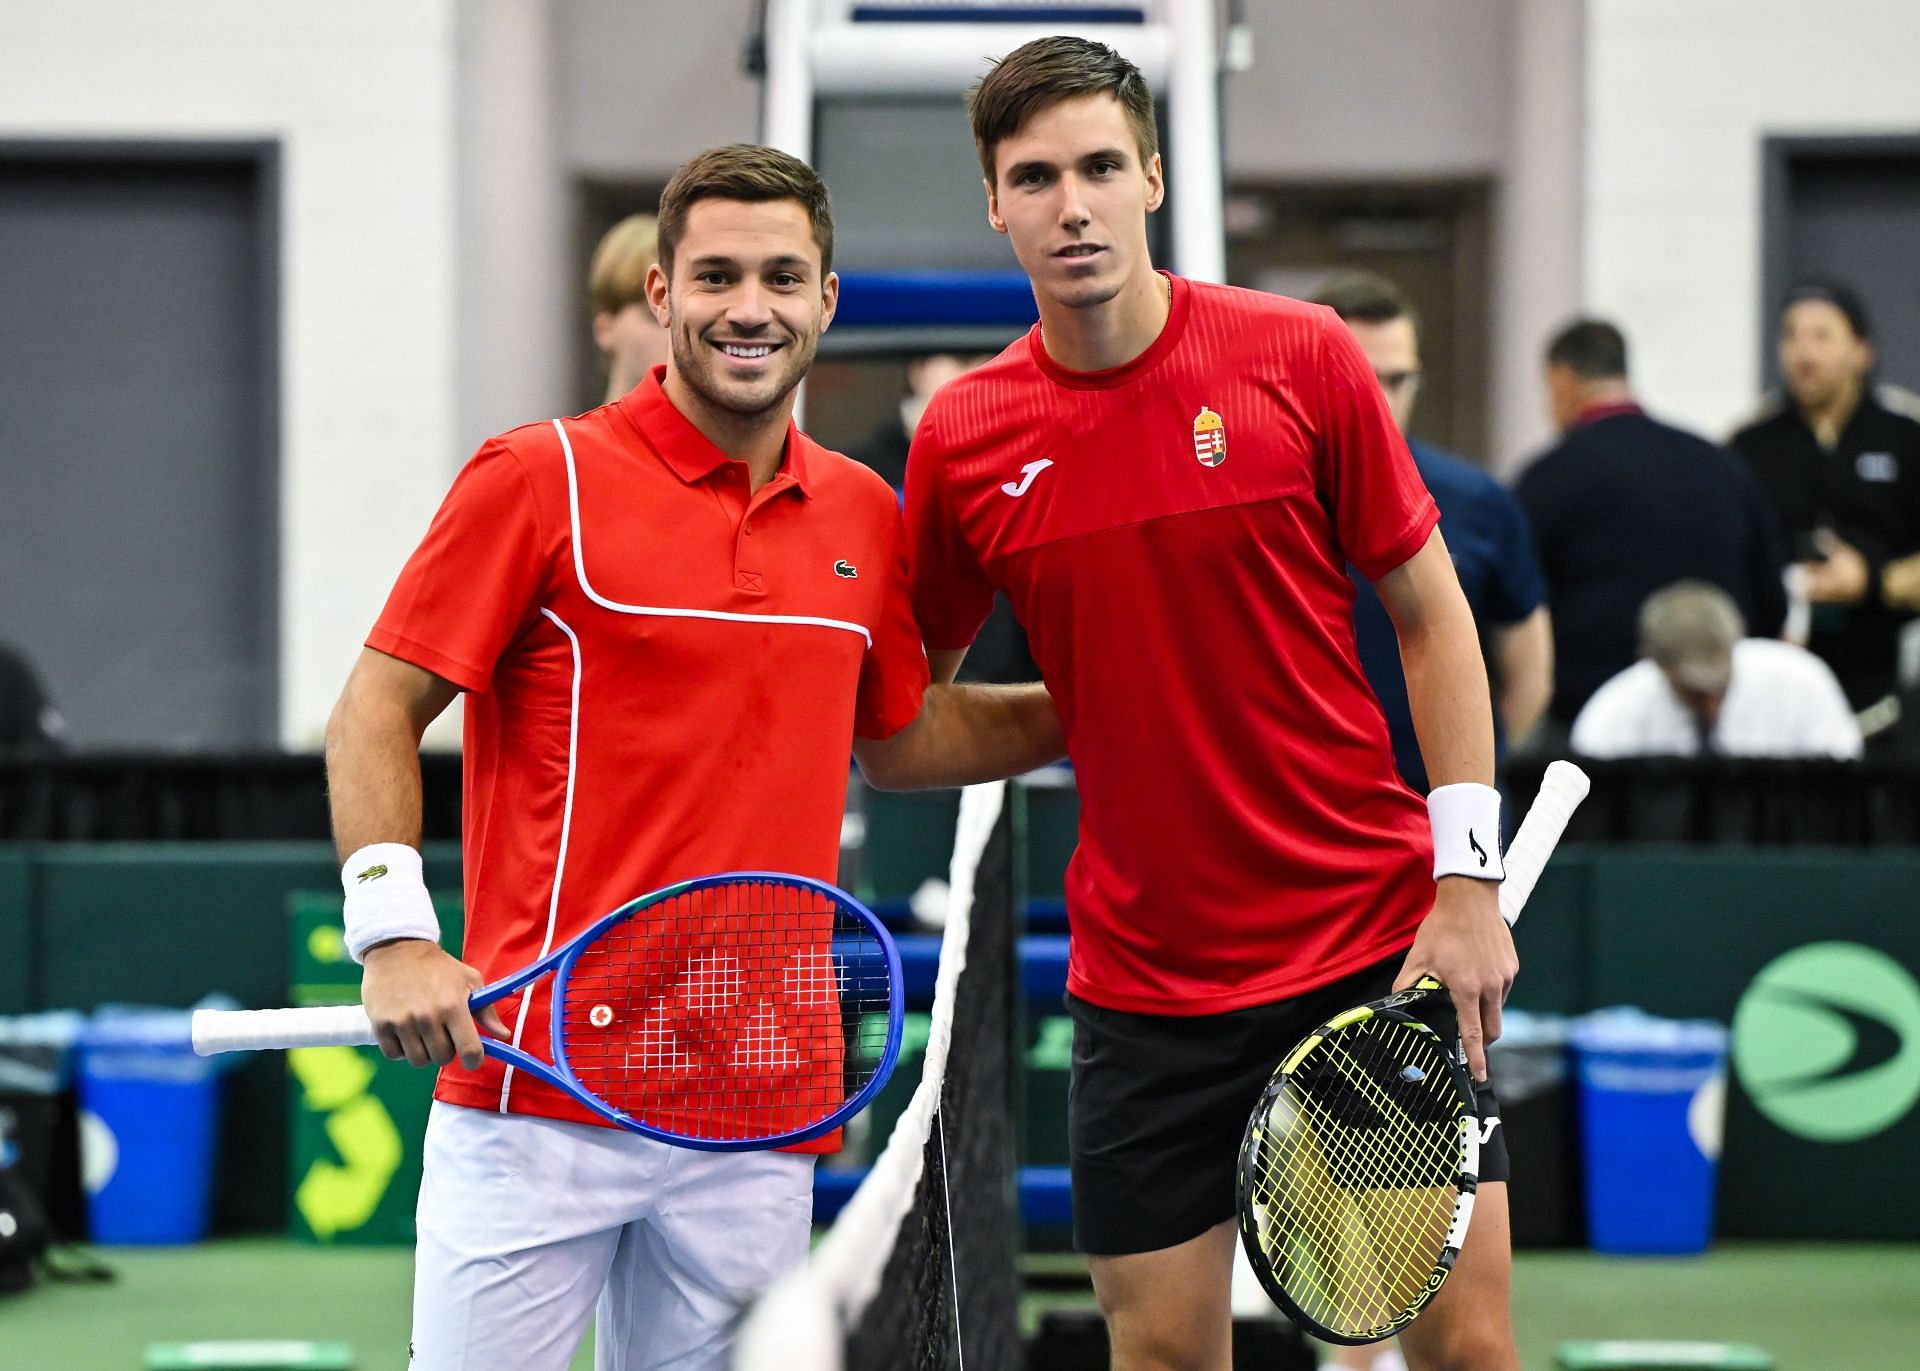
528,1226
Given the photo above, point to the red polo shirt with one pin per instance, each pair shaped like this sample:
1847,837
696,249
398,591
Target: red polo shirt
1174,534
664,674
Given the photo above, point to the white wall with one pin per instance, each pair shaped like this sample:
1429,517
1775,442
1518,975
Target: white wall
1348,89
644,84
518,301
361,95
1539,279
1679,97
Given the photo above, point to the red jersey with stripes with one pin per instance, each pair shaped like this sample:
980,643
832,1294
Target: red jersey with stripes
664,676
1174,534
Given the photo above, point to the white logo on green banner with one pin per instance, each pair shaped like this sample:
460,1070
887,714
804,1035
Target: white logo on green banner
1826,1041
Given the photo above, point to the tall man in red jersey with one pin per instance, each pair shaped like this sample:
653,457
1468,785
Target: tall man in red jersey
1168,480
673,617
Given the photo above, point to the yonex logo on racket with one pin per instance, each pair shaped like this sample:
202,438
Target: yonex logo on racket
372,873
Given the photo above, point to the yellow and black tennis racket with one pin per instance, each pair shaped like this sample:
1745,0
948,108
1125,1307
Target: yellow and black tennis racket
1358,1168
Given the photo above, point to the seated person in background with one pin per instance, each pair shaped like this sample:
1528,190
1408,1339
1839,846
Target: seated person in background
1486,535
624,329
1624,505
1703,688
1843,473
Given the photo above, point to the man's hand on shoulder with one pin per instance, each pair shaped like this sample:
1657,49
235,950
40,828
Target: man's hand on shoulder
416,994
1466,945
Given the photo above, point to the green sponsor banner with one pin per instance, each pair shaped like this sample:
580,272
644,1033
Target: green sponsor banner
1826,1041
1811,958
358,1119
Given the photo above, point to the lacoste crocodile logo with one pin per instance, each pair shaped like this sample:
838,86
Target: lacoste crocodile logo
372,873
845,569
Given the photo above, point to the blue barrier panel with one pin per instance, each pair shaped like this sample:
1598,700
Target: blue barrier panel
902,299
1046,1194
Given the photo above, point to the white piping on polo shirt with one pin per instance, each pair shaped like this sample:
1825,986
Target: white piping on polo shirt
560,861
580,574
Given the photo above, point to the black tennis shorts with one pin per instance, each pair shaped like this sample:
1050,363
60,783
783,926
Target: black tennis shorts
1157,1105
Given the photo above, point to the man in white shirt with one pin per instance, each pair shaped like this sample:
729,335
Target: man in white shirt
1701,686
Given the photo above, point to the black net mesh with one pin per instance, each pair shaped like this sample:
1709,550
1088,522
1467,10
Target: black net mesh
949,1296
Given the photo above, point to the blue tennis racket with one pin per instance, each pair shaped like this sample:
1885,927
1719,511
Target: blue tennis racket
730,1013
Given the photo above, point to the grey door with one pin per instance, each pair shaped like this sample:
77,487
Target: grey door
1849,209
138,471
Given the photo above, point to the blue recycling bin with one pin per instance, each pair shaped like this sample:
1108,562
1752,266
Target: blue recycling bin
1652,1109
149,1109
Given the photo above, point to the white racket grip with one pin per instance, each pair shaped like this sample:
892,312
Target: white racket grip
251,1030
1561,791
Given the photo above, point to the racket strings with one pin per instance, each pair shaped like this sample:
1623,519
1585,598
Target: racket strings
1358,1284
744,1009
1365,1238
1373,1227
1357,1174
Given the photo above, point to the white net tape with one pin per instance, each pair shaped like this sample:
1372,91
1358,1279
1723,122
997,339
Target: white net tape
800,1324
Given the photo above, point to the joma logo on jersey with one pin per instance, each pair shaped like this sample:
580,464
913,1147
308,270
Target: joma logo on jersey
1209,438
1027,473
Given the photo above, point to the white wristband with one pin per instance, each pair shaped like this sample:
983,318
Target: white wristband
386,898
1466,831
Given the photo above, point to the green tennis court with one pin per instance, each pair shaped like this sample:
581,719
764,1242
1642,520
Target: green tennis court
1815,1307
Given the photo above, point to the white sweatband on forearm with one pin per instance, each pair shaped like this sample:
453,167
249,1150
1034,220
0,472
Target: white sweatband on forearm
386,898
1466,831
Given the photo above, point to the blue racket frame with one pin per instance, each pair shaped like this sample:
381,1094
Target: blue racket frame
562,959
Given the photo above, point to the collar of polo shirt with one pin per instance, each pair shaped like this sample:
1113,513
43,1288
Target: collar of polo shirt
687,450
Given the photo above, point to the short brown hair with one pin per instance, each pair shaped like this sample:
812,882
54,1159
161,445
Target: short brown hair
1046,71
618,274
1370,299
749,172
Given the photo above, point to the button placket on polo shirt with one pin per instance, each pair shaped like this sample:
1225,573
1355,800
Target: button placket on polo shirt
749,577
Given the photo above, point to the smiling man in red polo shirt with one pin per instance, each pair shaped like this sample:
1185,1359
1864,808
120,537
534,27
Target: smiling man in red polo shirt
673,616
1168,480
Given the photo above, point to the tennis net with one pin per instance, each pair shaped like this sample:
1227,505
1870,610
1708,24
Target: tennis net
919,1270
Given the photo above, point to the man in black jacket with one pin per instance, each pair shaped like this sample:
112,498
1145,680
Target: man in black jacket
1843,474
1624,505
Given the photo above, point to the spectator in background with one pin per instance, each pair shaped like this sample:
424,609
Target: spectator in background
1484,530
29,724
885,449
624,328
1703,687
1843,473
1000,655
1624,505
